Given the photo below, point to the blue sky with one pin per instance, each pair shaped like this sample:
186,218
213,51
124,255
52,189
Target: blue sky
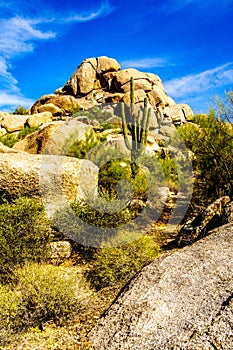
188,43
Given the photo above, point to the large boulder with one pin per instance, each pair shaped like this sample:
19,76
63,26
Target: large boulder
212,216
183,300
31,175
51,138
106,64
13,122
56,104
121,80
38,119
85,78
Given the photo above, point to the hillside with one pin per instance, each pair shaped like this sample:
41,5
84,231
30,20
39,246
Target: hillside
111,189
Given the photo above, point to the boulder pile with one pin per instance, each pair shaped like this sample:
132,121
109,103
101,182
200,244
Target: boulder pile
101,81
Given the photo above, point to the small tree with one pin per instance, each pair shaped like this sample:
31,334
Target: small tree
212,145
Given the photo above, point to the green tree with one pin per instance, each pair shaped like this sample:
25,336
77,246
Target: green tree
211,141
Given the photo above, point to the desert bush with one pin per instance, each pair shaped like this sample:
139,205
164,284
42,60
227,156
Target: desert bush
21,110
170,172
27,131
24,234
119,169
41,293
213,158
80,148
9,139
49,293
116,265
9,303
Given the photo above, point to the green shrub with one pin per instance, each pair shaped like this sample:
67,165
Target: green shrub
101,218
24,234
49,293
170,172
27,131
9,304
212,145
116,265
40,294
118,169
9,139
80,148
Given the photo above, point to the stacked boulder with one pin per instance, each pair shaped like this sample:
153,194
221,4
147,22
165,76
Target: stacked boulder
13,123
100,80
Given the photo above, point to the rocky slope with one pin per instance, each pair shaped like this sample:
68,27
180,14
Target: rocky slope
183,300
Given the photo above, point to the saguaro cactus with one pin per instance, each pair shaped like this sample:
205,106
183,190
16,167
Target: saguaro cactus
137,126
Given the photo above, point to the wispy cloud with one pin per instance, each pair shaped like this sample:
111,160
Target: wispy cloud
20,35
9,99
177,5
145,63
105,9
190,85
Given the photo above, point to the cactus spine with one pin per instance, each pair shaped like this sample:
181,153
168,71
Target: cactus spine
137,127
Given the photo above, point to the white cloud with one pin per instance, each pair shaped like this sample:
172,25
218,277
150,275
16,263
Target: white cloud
191,85
171,6
19,35
104,9
6,77
9,100
144,63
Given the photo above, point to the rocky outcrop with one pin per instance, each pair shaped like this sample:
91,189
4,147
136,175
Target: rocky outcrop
100,80
13,122
214,215
50,139
183,300
22,175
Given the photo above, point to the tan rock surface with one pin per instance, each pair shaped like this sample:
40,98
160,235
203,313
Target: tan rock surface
51,108
13,122
106,64
38,119
21,174
183,300
51,138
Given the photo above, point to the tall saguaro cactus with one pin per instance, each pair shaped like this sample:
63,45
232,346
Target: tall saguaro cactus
137,126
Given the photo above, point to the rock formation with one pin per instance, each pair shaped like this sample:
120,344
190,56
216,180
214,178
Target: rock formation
183,300
100,81
97,82
14,122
